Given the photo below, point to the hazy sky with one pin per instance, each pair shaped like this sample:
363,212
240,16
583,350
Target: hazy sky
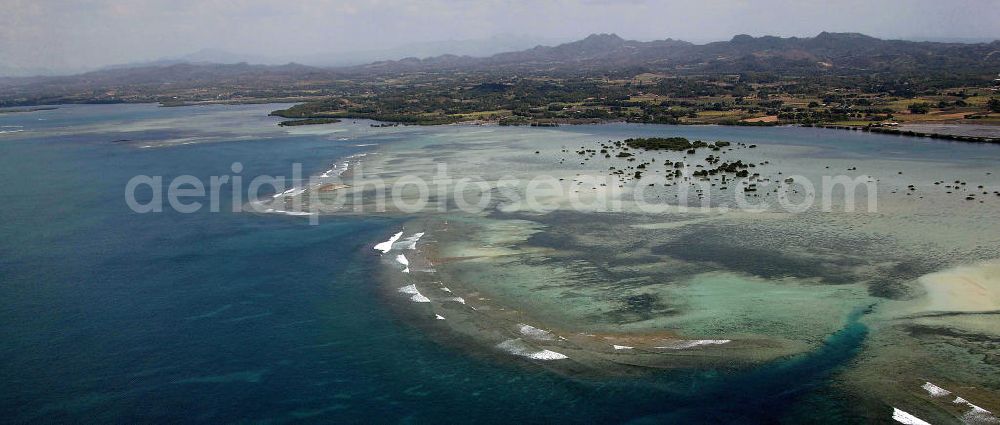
65,34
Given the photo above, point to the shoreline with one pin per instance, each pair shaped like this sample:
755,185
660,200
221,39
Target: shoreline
556,122
910,133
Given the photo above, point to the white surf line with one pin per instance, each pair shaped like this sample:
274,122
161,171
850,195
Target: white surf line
517,347
976,414
680,345
293,213
533,332
259,207
386,246
411,242
622,347
401,259
459,300
256,206
548,355
906,418
934,390
295,191
338,169
439,317
414,293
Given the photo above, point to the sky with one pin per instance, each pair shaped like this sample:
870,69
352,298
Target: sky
71,35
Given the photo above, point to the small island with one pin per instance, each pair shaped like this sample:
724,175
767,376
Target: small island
308,121
671,144
24,110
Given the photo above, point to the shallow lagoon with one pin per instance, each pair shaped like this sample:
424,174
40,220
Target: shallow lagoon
619,289
824,315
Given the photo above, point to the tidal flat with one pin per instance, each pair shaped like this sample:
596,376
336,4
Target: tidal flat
596,284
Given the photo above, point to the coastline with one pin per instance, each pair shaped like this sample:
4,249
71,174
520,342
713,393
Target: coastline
912,133
556,122
670,305
506,278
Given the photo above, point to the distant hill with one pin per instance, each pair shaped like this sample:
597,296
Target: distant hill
161,83
840,54
827,52
475,48
178,74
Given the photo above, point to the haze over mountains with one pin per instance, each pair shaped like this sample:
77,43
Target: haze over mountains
598,54
333,58
609,51
840,52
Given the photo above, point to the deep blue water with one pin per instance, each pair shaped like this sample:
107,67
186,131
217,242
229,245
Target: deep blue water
111,316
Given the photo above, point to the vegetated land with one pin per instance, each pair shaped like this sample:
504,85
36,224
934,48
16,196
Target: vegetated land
308,121
23,110
832,79
664,143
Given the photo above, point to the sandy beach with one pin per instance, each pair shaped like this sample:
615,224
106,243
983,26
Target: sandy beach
974,288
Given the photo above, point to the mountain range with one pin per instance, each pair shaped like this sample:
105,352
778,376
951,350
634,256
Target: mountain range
826,52
598,54
479,47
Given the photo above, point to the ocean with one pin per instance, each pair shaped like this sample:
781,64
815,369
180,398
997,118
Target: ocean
110,316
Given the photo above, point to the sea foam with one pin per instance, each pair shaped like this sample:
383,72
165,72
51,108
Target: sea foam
386,246
906,418
934,390
336,170
517,347
292,213
681,345
976,414
295,191
533,332
401,259
411,242
414,293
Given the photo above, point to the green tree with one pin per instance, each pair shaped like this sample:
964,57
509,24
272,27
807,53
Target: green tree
919,107
994,104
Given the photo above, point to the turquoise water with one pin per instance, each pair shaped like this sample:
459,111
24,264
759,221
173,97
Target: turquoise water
111,316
